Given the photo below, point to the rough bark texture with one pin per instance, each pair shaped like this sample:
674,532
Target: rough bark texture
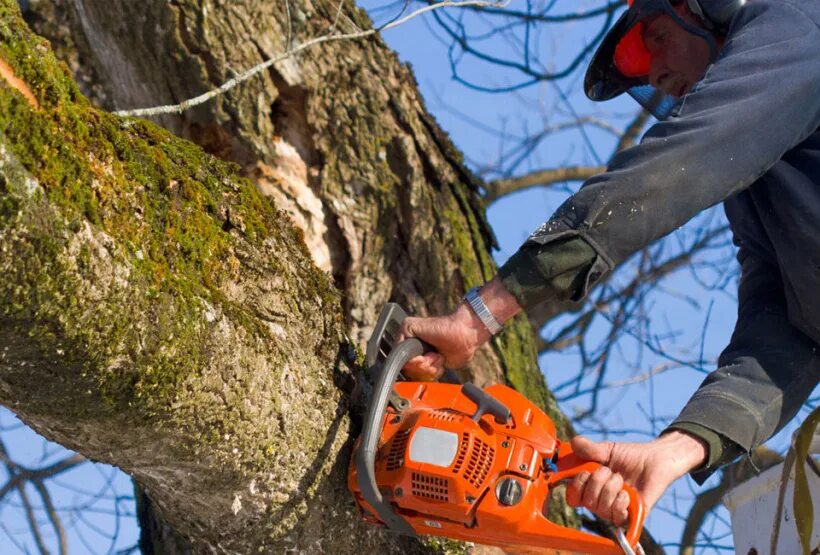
164,316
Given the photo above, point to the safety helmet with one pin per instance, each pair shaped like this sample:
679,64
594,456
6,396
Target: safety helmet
622,61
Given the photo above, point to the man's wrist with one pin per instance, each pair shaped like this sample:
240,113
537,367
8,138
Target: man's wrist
500,302
467,319
690,452
480,309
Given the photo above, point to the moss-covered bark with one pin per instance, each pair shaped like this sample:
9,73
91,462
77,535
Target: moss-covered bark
174,320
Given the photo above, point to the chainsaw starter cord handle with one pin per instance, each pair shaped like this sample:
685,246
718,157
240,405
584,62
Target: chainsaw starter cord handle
366,455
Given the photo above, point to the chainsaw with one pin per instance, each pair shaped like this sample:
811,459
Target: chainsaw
459,461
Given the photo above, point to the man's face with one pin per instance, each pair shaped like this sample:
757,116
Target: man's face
679,58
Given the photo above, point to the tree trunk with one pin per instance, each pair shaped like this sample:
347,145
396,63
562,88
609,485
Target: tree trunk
163,316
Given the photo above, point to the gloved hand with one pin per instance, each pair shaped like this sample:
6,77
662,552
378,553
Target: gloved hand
648,467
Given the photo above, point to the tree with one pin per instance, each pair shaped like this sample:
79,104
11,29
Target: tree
164,314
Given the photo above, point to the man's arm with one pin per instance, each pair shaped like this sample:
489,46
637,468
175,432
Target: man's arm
456,336
764,376
760,99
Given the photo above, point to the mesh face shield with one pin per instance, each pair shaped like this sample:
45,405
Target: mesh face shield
622,61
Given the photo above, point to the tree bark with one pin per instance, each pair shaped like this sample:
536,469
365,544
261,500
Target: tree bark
195,322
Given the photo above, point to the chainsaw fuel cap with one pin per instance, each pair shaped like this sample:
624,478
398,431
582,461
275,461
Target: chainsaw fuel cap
508,491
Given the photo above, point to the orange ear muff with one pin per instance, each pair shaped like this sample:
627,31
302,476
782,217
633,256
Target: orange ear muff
631,56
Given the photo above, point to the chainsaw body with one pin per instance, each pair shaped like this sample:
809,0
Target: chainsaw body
463,462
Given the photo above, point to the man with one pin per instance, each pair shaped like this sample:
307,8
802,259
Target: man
742,127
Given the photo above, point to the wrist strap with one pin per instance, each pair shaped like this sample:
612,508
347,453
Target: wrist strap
474,300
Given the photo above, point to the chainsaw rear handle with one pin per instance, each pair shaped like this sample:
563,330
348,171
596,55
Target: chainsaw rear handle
569,465
366,455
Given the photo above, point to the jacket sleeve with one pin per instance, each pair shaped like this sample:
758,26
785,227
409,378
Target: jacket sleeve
764,376
758,100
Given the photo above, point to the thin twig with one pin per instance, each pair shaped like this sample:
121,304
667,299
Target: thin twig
48,507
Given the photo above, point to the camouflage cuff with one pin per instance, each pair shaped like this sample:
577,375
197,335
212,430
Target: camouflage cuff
539,273
721,450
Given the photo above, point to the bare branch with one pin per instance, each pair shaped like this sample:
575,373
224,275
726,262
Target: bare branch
32,522
20,474
533,72
543,18
48,506
631,133
544,178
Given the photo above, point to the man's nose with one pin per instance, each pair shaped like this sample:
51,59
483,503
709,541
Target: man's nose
659,74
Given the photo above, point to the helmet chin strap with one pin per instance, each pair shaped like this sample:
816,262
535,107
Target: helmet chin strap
706,34
695,8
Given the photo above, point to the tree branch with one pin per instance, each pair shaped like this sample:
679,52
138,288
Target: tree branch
632,132
48,507
544,178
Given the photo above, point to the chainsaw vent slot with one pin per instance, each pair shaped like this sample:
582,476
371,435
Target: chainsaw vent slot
430,487
444,415
478,466
462,453
398,445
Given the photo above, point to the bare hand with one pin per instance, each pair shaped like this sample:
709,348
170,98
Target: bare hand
649,467
455,337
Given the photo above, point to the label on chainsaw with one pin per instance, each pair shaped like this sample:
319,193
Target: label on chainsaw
433,446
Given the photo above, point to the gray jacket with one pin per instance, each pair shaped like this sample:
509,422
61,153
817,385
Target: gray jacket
747,135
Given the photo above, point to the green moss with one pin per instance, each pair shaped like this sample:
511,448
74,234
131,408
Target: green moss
446,546
9,205
463,250
174,208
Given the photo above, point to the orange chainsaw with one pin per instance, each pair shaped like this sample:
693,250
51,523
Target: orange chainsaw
458,461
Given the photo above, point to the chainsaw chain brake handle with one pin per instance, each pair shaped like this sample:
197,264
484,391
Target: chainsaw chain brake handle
569,465
366,454
384,339
384,335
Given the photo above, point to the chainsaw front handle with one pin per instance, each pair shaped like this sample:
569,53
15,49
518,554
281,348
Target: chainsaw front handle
366,455
569,465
